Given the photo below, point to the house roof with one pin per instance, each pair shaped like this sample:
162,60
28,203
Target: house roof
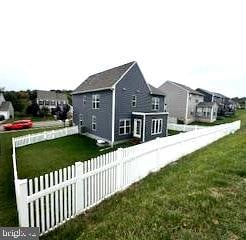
206,104
190,90
5,106
103,80
51,95
212,93
155,91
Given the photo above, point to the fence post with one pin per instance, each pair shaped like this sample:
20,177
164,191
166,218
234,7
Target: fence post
29,138
45,135
158,143
66,131
79,187
53,134
22,204
120,160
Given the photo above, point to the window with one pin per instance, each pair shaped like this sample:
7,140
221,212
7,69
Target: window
156,126
47,102
41,102
84,99
155,103
197,100
93,123
95,101
125,126
134,100
81,120
52,103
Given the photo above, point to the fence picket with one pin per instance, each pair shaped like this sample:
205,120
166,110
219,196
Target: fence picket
60,195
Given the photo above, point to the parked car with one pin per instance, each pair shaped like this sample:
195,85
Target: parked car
20,124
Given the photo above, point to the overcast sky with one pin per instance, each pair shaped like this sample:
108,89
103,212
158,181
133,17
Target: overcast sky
58,44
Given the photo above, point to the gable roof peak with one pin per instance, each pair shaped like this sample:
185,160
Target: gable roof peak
105,79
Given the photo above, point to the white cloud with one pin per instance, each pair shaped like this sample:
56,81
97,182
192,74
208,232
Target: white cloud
57,44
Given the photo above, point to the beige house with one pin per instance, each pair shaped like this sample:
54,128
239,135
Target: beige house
183,103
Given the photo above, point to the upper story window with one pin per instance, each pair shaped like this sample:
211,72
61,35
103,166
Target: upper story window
47,102
93,123
134,100
95,101
155,103
53,103
41,102
84,99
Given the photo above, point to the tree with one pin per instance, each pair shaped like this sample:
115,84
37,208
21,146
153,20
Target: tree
62,112
44,112
33,109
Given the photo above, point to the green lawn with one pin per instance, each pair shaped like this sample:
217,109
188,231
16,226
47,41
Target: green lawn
221,120
44,157
201,197
8,214
33,118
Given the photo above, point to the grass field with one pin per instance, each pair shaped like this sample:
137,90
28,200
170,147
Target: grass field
8,214
44,157
201,197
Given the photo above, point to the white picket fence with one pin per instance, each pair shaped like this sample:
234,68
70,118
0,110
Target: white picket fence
50,200
183,127
46,135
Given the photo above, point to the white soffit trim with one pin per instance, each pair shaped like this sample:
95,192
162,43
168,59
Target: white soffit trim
150,113
94,90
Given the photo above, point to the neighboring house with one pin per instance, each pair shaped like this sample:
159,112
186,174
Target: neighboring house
6,108
118,104
51,99
181,101
206,111
225,104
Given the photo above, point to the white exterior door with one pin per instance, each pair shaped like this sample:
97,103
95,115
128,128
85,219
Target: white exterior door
137,128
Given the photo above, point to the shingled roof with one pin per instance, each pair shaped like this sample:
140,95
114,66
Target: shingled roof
155,91
190,90
206,104
5,106
212,93
51,95
103,80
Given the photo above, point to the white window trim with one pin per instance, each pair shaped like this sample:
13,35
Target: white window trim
158,121
155,103
125,133
93,121
134,101
81,118
95,100
84,99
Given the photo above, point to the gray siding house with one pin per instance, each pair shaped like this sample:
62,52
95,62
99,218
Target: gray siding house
50,99
181,101
118,104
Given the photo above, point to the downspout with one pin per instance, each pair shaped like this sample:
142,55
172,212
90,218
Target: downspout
187,104
113,116
144,128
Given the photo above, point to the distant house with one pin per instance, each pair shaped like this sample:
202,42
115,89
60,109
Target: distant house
183,103
6,108
51,99
225,104
206,111
118,104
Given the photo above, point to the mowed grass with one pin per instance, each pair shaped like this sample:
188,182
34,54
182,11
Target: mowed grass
202,196
8,213
44,157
